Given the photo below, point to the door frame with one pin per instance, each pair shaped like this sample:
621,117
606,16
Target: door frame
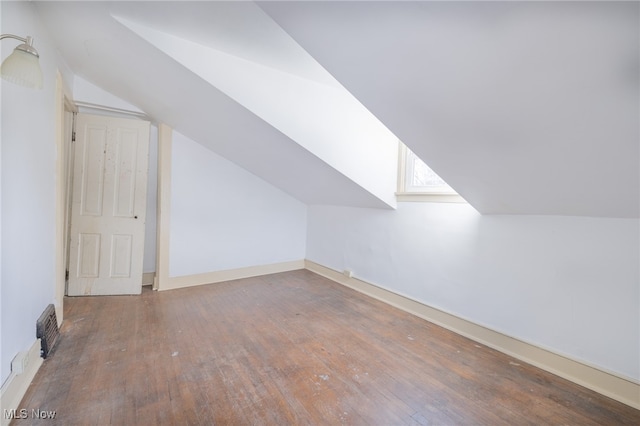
63,105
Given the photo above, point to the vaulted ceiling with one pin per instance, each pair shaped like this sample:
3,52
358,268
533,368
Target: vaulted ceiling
524,108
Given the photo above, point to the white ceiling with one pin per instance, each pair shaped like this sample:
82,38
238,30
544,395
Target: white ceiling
101,49
524,108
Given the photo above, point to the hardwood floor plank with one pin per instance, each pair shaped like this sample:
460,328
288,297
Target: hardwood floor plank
289,349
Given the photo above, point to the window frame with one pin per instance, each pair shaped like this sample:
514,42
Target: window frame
407,193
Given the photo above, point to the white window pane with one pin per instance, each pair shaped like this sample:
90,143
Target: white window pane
423,175
420,178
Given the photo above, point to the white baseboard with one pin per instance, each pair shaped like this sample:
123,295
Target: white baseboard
606,383
16,385
230,274
148,278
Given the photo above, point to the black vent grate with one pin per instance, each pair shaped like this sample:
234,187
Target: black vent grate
47,330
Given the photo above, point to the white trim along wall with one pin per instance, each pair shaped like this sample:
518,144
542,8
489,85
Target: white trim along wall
606,383
567,285
231,274
610,384
16,385
218,222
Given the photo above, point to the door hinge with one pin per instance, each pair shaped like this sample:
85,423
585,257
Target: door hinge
73,136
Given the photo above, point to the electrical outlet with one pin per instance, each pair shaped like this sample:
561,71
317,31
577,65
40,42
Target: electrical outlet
347,273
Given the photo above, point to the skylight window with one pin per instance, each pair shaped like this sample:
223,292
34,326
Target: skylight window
417,182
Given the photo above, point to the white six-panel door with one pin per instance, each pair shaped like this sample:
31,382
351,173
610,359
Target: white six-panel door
109,206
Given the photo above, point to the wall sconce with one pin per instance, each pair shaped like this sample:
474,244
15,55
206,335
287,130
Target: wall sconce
22,67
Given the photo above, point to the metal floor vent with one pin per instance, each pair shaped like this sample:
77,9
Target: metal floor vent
47,330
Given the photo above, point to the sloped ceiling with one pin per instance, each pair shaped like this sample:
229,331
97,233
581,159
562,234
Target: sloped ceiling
98,46
524,108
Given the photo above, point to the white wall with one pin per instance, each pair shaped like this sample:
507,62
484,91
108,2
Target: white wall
85,91
28,189
568,284
223,217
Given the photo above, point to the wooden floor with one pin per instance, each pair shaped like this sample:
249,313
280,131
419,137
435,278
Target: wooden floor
288,349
